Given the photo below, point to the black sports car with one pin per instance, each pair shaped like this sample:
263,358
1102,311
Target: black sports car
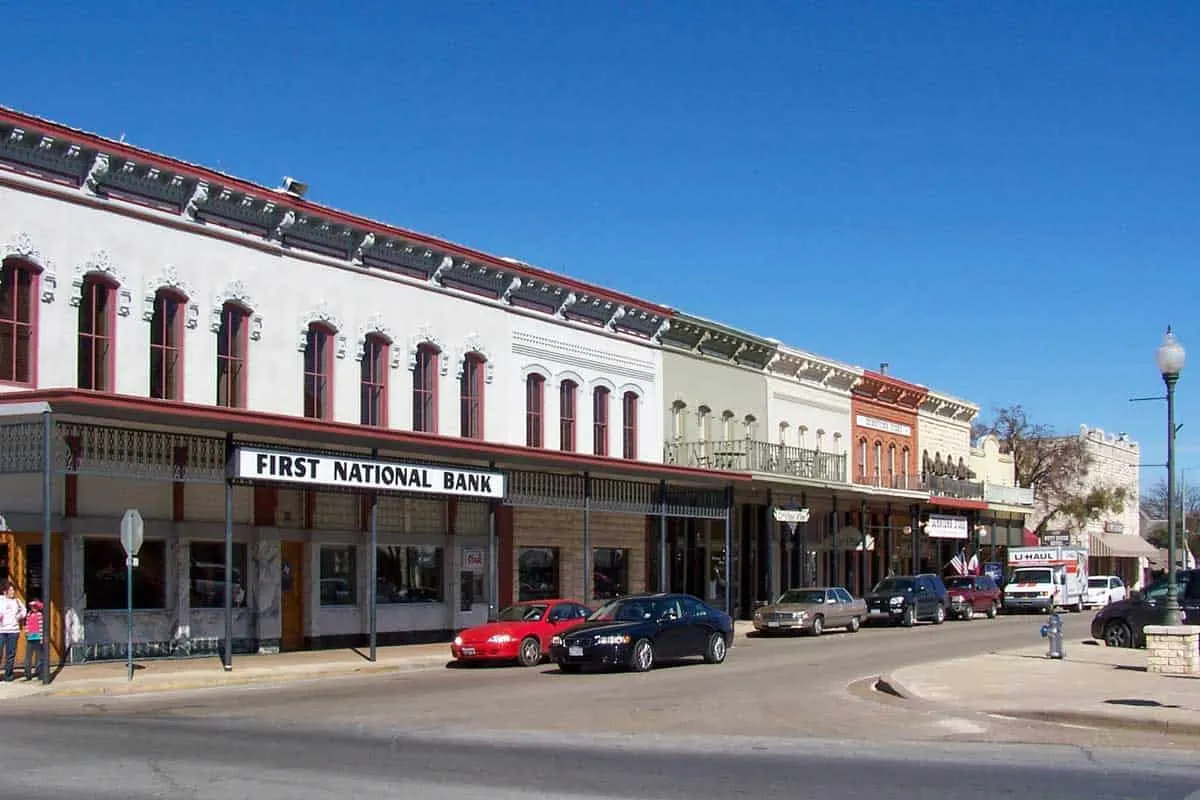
636,631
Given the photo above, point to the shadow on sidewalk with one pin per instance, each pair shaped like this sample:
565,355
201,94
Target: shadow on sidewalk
1140,703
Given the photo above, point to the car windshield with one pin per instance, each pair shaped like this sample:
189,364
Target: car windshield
894,585
1032,576
1097,583
524,613
960,583
802,596
628,609
1158,589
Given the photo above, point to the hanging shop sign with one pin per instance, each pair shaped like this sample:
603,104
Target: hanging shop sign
941,526
319,469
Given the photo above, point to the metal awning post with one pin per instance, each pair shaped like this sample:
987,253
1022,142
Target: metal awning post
836,548
228,655
805,578
914,512
729,550
662,537
493,564
47,597
373,578
587,537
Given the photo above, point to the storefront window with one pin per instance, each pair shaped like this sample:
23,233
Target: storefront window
207,575
338,576
610,572
538,573
104,575
408,575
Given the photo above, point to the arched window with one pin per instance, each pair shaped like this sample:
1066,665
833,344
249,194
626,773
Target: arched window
425,386
373,380
97,323
600,397
535,410
166,346
629,425
878,466
231,356
891,472
862,458
470,393
18,324
568,392
318,372
727,432
905,465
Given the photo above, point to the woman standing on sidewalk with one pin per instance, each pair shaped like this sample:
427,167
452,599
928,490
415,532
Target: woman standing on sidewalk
12,613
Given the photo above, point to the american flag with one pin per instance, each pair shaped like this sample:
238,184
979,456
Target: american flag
959,562
973,565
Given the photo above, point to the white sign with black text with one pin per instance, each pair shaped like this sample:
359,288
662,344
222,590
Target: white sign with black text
940,526
882,425
319,469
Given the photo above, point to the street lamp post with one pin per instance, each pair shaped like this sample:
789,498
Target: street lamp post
1171,359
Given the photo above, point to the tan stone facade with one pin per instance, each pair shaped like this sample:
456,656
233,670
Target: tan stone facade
563,529
1173,649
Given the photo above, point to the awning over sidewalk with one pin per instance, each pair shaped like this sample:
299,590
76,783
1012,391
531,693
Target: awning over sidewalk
1121,545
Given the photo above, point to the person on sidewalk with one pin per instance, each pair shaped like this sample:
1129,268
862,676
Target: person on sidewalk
12,614
33,639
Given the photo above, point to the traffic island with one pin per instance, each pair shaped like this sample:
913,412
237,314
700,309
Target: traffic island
1173,649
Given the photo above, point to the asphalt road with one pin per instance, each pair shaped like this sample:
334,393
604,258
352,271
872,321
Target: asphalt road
776,720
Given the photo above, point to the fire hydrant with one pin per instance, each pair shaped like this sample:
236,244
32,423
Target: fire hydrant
1052,631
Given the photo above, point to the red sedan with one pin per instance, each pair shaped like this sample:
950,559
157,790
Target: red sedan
521,633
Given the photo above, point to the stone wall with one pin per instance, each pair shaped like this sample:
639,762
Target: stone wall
1173,649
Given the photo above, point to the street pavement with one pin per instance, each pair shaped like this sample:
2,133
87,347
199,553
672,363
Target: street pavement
790,717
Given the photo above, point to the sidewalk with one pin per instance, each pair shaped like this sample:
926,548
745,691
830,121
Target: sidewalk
1094,685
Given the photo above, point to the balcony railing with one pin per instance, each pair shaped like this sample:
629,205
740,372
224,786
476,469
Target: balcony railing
945,486
1008,495
747,455
907,483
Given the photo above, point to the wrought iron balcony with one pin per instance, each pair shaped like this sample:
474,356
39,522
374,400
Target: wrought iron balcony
907,483
1008,495
962,489
747,455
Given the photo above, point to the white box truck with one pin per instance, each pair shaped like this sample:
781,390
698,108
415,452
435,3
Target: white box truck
1046,578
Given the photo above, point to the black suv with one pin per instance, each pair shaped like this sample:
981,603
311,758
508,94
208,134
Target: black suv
906,599
1123,623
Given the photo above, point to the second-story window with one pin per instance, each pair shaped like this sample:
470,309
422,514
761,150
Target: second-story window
629,425
878,460
600,421
535,401
862,458
96,322
567,394
425,377
904,464
231,357
166,346
892,465
471,397
318,369
17,307
373,382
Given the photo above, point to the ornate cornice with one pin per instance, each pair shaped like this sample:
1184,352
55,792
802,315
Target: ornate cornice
474,344
809,368
375,325
944,405
101,263
235,292
425,335
20,245
322,315
169,279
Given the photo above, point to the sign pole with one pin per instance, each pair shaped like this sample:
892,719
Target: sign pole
129,609
132,530
373,579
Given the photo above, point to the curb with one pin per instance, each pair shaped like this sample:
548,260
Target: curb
233,679
1111,721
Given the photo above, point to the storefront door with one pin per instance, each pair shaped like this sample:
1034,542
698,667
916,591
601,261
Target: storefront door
291,595
21,562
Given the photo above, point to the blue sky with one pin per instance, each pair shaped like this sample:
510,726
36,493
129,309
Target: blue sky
999,199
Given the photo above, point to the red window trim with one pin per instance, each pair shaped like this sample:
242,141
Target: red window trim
600,414
325,409
19,264
629,425
110,286
473,366
567,419
381,378
418,394
535,410
180,299
241,356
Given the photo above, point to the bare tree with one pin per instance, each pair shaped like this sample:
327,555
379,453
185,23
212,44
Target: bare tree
1054,466
1154,505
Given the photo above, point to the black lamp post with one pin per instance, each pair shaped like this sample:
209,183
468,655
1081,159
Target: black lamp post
1171,358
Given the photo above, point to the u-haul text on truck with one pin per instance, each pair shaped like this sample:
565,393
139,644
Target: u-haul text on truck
1045,578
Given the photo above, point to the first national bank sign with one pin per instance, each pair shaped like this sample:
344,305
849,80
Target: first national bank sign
319,469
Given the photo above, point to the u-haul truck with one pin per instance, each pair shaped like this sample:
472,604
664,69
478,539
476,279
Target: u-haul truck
1045,578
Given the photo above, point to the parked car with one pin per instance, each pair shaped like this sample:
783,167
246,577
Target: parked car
907,599
973,594
521,632
1102,590
637,631
1123,623
811,610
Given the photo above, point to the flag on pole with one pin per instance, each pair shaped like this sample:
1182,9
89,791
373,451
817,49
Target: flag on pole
973,565
959,562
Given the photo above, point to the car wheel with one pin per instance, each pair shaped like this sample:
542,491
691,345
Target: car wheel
939,616
642,657
716,651
530,654
910,617
818,625
854,625
993,611
968,613
570,668
1118,634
